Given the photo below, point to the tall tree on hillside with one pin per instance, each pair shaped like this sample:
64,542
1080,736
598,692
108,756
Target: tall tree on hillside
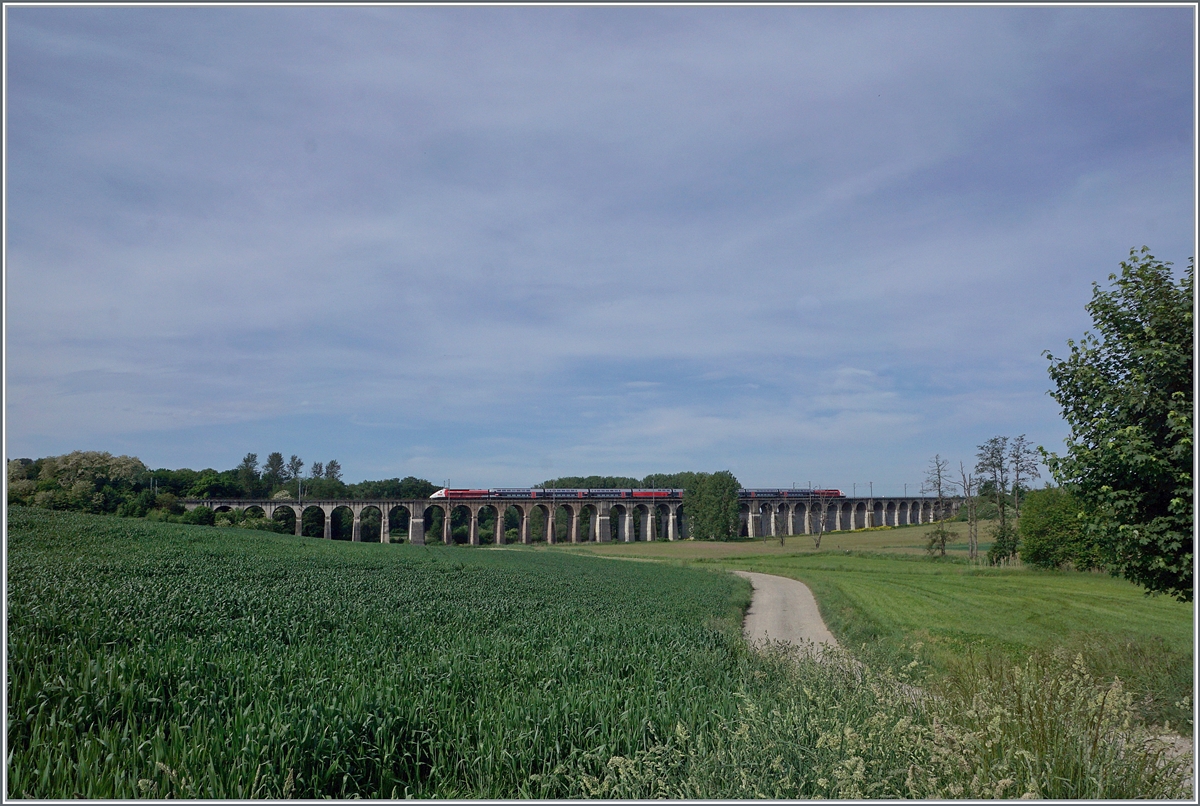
1022,459
333,470
937,481
993,465
1127,396
317,471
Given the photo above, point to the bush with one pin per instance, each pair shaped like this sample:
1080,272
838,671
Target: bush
1004,543
1052,534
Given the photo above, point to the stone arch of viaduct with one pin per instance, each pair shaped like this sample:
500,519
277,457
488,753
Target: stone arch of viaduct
634,519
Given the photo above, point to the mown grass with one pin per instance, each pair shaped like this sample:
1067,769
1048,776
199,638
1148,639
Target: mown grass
161,660
952,615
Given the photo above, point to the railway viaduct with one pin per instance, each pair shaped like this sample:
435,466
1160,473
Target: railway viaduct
635,519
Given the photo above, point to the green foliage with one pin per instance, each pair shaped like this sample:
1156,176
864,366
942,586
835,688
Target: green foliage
1127,395
712,505
937,538
669,481
1005,542
90,481
1051,531
408,487
86,481
592,483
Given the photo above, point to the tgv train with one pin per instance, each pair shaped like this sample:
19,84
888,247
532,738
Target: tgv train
552,493
542,492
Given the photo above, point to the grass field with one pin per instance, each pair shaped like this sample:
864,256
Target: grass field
881,595
162,660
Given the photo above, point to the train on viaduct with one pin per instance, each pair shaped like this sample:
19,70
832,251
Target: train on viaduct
602,517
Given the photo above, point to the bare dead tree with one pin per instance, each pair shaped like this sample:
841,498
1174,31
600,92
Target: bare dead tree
968,487
1022,458
818,523
937,481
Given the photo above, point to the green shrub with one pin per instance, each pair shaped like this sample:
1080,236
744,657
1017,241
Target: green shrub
1052,534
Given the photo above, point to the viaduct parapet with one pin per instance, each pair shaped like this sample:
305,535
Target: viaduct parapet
634,519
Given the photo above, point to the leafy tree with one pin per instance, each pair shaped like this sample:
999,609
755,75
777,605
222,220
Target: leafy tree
408,487
1052,532
592,483
295,467
212,484
712,505
1126,393
317,470
333,470
668,481
247,473
327,489
273,471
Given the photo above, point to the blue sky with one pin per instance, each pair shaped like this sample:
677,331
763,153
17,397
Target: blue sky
499,245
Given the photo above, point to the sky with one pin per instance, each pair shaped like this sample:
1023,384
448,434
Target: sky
498,245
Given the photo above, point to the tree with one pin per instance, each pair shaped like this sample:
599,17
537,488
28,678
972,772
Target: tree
818,523
1126,393
274,471
295,467
1052,534
993,465
937,481
712,505
247,473
333,470
968,487
1022,459
317,471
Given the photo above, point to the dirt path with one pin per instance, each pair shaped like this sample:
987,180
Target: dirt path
784,610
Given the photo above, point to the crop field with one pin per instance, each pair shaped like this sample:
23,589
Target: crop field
162,660
238,660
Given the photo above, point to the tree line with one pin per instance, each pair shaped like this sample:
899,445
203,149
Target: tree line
98,482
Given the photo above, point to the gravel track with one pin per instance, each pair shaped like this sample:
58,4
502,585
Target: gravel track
784,609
